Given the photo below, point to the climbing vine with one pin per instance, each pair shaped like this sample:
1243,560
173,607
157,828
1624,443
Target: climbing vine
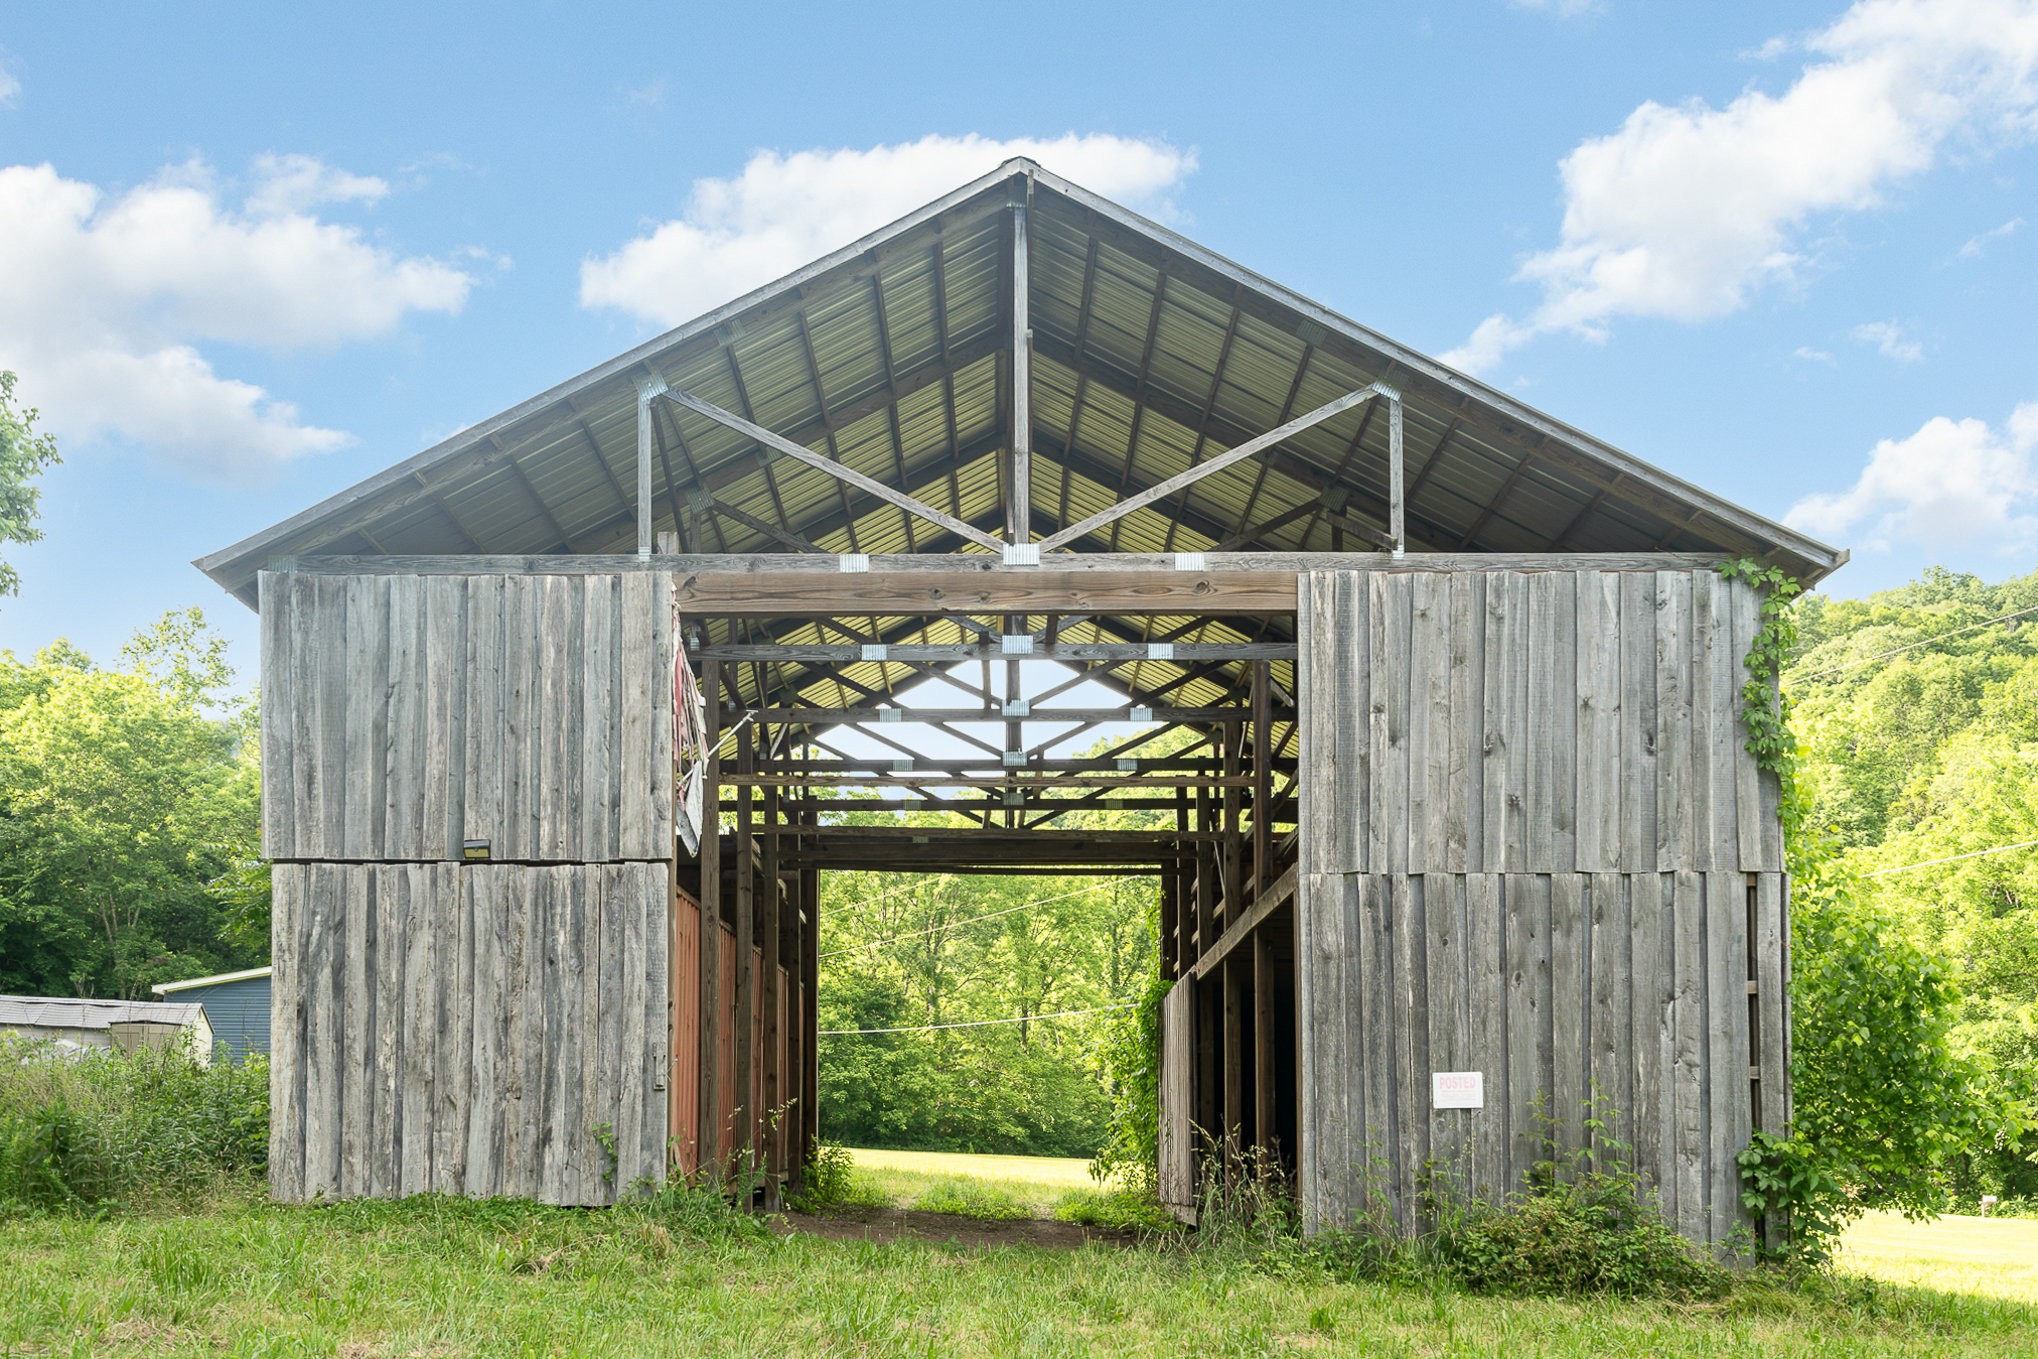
1881,1099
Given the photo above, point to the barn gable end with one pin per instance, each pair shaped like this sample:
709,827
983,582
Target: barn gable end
1458,787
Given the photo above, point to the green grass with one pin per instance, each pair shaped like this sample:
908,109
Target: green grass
447,1277
984,1186
442,1277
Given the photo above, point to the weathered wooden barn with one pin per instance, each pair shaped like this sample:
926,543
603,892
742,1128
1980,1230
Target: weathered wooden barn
1464,836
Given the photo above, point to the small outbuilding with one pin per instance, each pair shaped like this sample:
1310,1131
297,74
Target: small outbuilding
236,1004
124,1024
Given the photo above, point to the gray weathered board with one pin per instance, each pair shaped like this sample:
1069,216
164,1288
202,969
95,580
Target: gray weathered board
485,1029
403,715
1177,1138
1534,846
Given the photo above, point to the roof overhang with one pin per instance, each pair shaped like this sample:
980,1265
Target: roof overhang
1150,354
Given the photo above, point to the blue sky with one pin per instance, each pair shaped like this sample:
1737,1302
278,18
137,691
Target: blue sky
251,254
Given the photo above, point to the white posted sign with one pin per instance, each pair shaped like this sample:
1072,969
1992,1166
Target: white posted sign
1457,1089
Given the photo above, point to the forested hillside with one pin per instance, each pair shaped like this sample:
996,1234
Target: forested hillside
1918,709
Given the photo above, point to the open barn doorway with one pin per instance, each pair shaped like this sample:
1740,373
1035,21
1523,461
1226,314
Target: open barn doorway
1031,814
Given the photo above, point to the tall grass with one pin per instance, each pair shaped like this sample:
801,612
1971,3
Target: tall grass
107,1129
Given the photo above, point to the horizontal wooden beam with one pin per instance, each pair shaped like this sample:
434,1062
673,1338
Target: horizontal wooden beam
1189,566
837,717
972,651
1015,778
1281,891
994,835
970,805
1159,764
1018,590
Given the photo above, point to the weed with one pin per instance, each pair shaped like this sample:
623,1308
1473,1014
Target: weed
973,1198
109,1129
833,1181
1128,1209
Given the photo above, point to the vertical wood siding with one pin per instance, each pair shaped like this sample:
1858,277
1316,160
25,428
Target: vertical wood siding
402,715
488,1029
1533,845
1177,1139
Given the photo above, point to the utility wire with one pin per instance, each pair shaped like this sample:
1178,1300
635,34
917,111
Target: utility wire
958,924
1898,651
978,1023
1952,858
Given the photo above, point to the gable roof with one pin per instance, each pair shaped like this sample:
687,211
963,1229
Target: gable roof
1150,354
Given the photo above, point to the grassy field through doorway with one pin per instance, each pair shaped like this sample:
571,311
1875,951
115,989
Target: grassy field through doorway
999,1186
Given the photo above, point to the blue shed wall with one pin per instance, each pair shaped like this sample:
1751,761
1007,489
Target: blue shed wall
238,1012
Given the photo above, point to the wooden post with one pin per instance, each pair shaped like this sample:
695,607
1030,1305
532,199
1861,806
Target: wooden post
810,1078
1234,839
1263,777
770,1106
795,1118
1233,1135
1265,1087
709,1134
745,1097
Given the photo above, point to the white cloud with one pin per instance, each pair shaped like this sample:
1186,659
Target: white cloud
1810,355
298,183
781,211
10,87
108,296
1889,340
1972,250
1684,212
1953,486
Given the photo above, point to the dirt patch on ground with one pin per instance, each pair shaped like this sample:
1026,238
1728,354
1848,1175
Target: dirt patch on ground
910,1224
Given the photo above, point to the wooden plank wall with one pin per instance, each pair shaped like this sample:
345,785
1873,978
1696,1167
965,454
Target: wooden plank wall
1534,846
469,1029
1177,1137
1531,722
402,715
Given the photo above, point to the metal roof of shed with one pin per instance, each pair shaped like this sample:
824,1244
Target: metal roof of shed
1150,355
52,1012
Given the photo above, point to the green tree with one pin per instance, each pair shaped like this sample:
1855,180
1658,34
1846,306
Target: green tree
23,455
122,804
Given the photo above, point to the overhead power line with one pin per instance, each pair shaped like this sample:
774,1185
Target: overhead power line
958,924
1913,646
1951,858
978,1023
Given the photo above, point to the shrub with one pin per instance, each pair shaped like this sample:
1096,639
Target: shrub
833,1181
105,1128
1588,1234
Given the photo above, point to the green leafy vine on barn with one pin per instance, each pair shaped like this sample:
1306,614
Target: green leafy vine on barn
1881,1098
